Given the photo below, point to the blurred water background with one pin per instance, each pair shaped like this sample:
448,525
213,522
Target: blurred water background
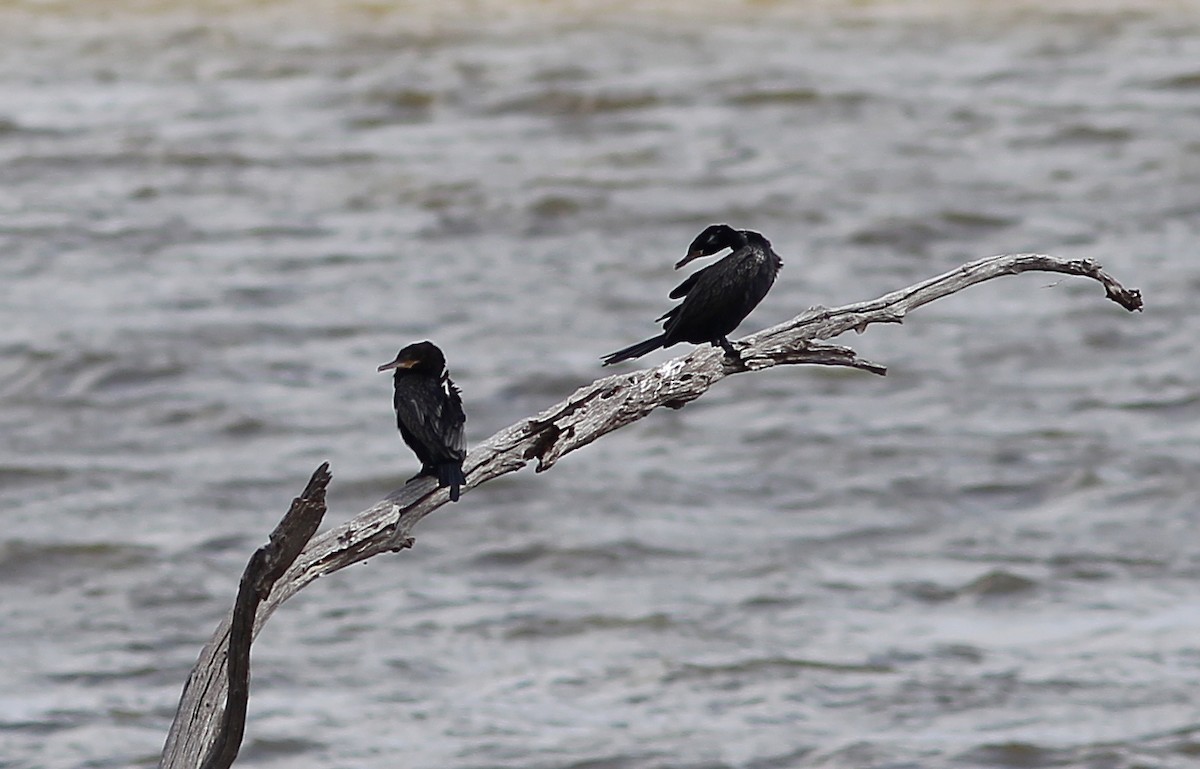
216,219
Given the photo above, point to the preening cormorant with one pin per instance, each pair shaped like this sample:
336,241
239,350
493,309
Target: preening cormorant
429,413
717,298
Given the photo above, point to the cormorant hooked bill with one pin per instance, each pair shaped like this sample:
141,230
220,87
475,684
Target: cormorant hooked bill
717,298
429,413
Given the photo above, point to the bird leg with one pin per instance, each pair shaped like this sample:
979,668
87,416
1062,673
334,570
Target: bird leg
729,349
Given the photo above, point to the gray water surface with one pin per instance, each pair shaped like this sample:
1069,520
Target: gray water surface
216,220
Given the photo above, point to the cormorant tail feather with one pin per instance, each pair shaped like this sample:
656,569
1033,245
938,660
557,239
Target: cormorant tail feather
451,474
635,350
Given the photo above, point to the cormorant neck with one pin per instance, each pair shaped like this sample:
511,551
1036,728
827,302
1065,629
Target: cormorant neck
752,237
738,238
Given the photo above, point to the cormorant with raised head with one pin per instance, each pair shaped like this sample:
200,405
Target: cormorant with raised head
429,413
717,298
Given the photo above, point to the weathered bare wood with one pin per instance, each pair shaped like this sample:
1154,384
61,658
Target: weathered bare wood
590,412
266,566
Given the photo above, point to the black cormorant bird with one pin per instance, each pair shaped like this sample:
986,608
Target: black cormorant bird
429,413
717,298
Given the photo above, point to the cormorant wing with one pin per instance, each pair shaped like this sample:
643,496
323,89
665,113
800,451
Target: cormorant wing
723,294
681,290
453,418
434,418
689,283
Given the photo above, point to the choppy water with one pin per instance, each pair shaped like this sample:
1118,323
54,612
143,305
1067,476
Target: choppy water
215,221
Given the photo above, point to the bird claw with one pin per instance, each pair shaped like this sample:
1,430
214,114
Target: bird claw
730,350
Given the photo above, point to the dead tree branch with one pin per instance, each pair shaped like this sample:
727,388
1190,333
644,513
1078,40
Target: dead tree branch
590,412
266,566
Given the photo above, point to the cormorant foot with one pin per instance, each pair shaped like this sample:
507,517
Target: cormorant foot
729,349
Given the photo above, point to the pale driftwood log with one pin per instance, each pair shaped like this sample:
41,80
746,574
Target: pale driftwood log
266,566
591,411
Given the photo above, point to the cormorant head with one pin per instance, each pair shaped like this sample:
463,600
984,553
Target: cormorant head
716,237
418,358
